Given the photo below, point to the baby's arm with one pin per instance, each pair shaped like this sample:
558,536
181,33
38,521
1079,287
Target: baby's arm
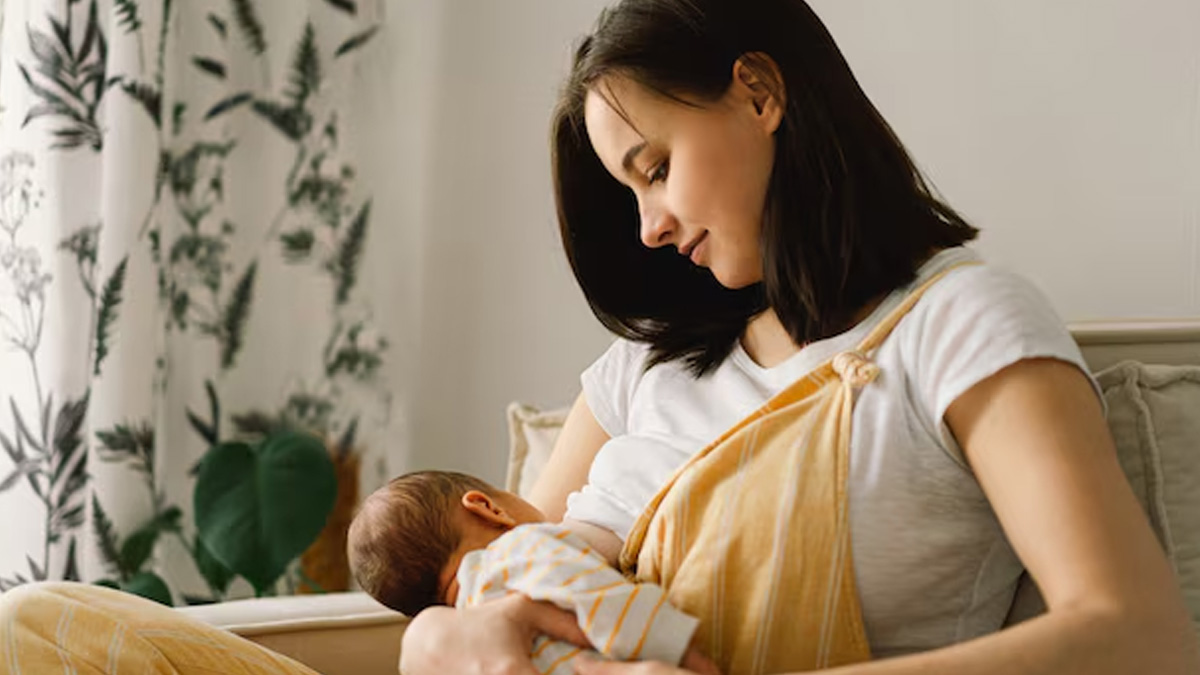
623,620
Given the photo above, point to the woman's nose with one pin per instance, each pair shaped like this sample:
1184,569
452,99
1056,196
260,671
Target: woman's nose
658,228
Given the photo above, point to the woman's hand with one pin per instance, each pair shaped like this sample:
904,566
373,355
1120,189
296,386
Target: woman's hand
590,667
694,663
494,638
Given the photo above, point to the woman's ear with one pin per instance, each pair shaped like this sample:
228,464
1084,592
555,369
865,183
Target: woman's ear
758,82
481,505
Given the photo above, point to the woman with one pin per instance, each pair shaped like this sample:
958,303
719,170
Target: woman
734,133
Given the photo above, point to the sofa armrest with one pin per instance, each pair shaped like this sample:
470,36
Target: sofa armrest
334,634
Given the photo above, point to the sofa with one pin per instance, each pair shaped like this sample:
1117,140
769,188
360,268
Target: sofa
1150,374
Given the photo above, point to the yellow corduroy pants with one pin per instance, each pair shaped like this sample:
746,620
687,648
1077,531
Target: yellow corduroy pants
76,629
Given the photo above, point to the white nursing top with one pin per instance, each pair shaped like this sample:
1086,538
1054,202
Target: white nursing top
932,564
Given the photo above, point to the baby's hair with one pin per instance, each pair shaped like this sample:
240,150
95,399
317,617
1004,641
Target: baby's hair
404,534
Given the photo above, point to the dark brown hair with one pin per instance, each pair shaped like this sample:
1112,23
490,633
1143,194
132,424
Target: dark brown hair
848,217
404,534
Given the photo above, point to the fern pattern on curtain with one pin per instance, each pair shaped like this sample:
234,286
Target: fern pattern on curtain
182,229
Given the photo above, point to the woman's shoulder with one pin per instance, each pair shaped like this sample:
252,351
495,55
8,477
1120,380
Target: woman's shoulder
976,296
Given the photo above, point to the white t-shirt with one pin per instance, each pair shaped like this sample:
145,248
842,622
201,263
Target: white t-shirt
932,564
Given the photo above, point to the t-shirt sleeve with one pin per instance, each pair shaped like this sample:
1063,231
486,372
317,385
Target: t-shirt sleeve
609,384
972,325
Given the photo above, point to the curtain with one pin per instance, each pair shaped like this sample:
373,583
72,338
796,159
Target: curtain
182,234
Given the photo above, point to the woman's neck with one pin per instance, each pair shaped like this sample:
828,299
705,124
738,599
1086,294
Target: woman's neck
768,343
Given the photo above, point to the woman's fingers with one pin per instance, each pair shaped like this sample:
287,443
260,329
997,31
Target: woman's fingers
586,666
556,623
493,638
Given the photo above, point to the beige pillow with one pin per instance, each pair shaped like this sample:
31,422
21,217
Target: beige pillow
531,433
1154,415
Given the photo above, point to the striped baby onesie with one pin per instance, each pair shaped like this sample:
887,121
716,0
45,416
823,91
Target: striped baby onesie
624,620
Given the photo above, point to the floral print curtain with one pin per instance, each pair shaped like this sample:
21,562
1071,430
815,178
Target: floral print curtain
182,237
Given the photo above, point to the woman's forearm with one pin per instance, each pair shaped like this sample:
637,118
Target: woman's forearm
1084,640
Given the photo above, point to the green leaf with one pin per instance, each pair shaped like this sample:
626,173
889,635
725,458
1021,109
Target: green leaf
210,66
71,571
110,300
218,25
128,15
177,112
233,319
246,17
129,443
202,428
292,122
22,470
36,572
138,547
216,575
297,245
229,103
149,585
107,540
23,429
214,408
355,41
257,508
91,35
305,76
146,95
347,6
109,583
350,253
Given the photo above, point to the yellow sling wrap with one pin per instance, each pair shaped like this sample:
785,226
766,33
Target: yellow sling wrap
752,535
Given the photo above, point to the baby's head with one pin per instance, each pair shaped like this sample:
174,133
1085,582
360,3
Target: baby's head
408,537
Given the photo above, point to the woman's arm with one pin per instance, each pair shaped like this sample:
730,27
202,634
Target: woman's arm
567,470
1036,438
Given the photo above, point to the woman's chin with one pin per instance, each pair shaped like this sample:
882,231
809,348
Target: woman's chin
735,279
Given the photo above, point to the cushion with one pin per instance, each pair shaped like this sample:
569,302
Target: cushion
332,633
531,433
1154,415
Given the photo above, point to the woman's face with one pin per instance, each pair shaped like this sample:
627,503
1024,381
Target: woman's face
700,174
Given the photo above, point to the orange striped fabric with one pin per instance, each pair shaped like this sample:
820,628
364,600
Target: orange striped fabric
752,535
549,563
78,629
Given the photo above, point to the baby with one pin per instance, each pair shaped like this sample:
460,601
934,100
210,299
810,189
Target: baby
440,538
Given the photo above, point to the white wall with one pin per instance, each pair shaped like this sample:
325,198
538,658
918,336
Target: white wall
1068,130
500,316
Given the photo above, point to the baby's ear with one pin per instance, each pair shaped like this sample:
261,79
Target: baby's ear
481,505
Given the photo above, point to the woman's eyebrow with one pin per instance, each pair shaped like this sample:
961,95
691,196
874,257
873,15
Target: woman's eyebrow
630,155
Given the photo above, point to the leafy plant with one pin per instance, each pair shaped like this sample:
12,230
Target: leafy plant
71,81
355,42
259,506
233,323
109,301
246,17
345,265
128,15
126,559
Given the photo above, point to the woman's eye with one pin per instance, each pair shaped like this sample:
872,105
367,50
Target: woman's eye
660,173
